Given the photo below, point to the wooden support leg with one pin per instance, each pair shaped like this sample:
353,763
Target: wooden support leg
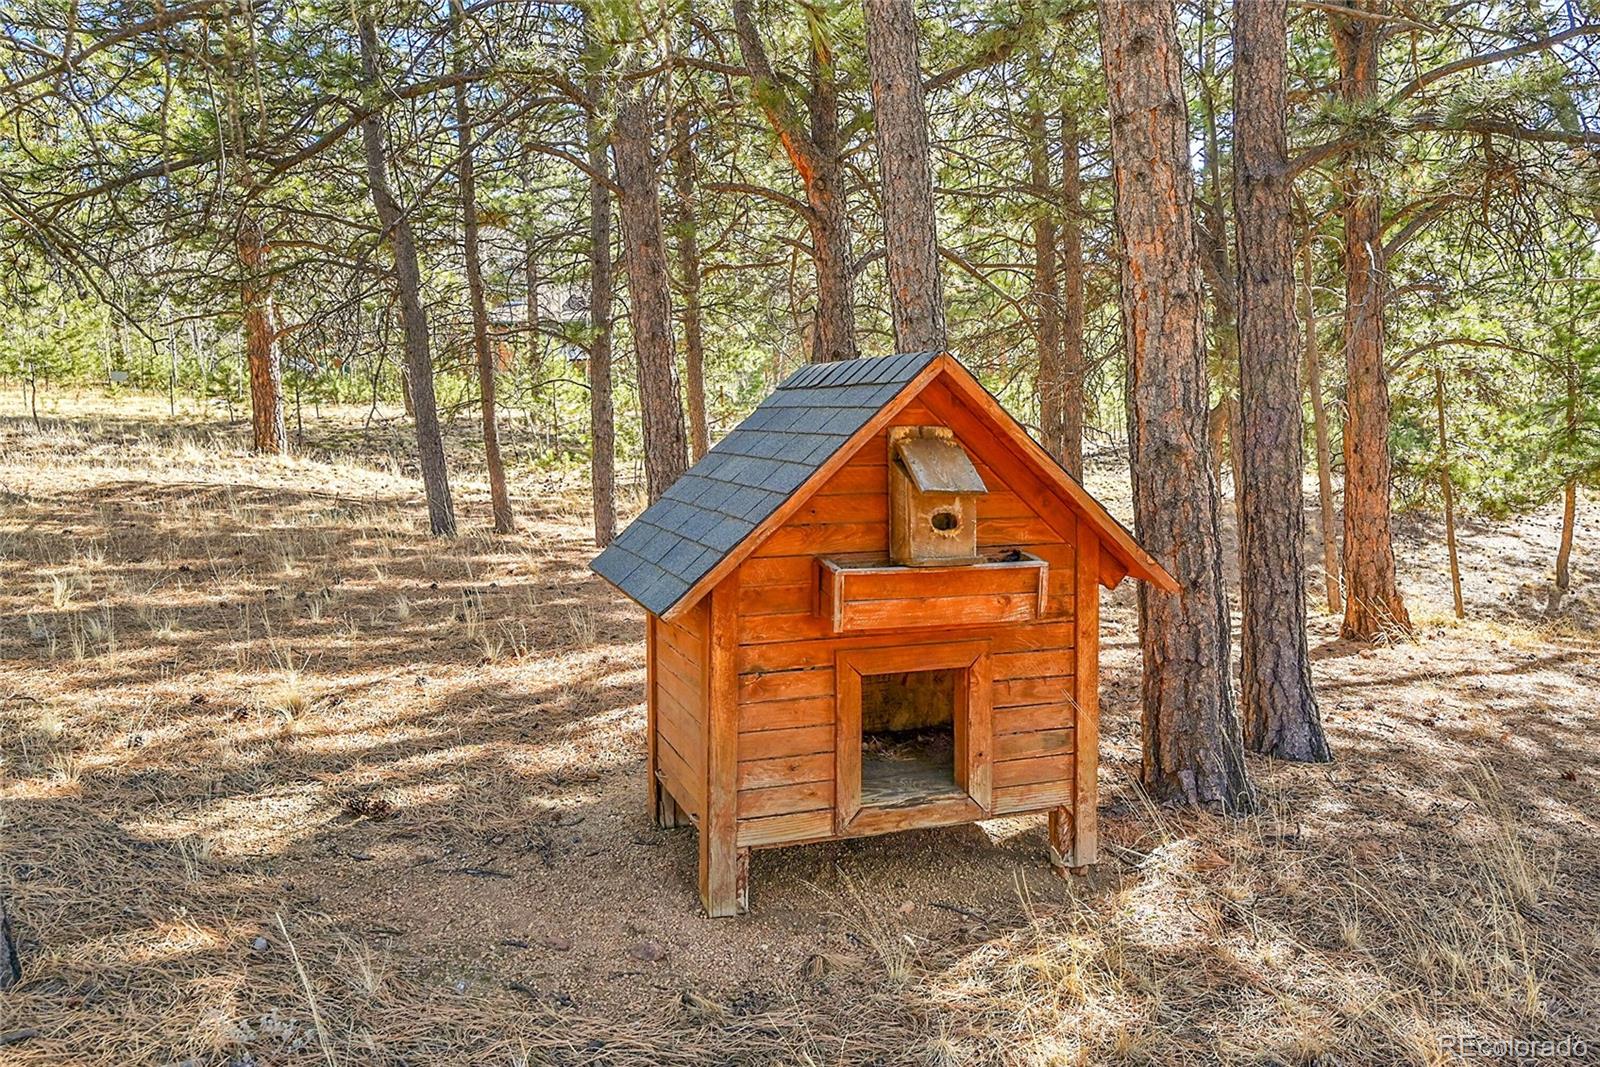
667,813
724,878
1066,844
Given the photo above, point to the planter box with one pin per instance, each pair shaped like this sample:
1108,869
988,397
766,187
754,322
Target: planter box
864,594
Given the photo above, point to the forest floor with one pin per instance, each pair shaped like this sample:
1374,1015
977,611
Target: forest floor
286,781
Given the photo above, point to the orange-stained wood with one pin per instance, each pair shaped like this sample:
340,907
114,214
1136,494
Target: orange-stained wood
1086,826
758,536
723,878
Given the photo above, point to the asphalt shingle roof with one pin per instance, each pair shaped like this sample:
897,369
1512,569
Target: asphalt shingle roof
749,475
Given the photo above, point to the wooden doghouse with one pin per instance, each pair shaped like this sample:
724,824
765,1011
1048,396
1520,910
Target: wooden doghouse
873,606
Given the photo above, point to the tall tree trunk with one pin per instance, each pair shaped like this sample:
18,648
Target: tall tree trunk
1218,268
910,230
650,291
1278,706
408,280
1319,425
1372,598
602,414
830,226
814,154
1569,495
1447,490
688,249
530,304
260,340
1193,750
1074,351
1046,298
504,522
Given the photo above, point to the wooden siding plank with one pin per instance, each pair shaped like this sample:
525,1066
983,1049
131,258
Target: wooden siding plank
777,829
759,716
1033,771
792,741
940,612
787,799
785,685
1037,797
1031,718
760,656
785,770
1015,691
1034,743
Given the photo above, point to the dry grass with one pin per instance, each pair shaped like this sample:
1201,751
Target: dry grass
286,782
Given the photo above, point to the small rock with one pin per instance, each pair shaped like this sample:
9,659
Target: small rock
261,944
647,952
558,943
460,986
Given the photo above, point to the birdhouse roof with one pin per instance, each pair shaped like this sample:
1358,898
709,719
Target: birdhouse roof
724,506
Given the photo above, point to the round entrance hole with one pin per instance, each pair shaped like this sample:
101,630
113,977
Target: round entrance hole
945,521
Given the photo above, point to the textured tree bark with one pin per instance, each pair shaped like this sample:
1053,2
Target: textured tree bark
530,304
1449,494
830,228
650,293
1279,707
1569,519
688,249
408,280
1319,425
910,230
1069,245
500,497
1193,750
1046,299
260,341
1372,598
602,416
1569,504
814,153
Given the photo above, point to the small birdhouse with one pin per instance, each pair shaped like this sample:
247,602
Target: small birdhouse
933,498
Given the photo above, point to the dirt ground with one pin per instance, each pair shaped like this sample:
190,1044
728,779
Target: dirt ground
286,781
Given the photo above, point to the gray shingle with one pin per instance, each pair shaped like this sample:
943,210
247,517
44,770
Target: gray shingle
751,472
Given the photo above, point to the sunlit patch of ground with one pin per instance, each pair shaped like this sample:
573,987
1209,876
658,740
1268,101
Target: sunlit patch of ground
287,781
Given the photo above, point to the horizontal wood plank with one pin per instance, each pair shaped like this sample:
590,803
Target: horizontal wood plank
797,539
785,770
791,741
1033,771
786,685
786,800
1035,797
1041,663
940,611
859,477
777,600
777,829
1016,691
1031,718
1035,743
755,657
760,715
776,570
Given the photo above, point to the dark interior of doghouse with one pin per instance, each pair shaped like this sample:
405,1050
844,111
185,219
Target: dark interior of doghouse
908,742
